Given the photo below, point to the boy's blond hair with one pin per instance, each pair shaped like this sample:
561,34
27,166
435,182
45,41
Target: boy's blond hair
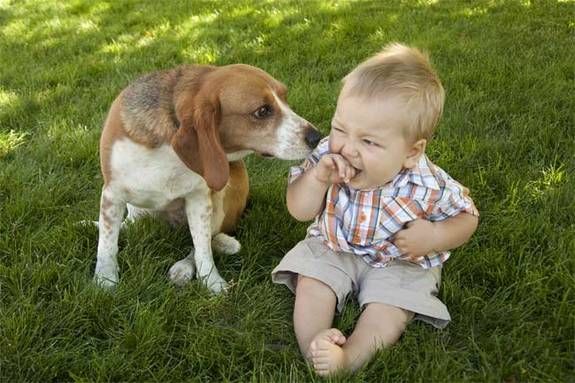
406,72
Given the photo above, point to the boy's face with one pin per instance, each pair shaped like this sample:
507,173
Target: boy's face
368,134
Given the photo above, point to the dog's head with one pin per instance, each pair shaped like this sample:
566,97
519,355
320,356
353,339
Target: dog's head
237,108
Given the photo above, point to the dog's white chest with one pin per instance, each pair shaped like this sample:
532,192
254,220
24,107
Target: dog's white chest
150,178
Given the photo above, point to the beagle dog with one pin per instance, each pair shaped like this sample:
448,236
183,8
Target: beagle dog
172,146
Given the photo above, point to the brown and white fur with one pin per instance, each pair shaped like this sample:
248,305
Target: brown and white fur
172,146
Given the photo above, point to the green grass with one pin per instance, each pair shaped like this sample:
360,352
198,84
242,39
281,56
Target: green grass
508,134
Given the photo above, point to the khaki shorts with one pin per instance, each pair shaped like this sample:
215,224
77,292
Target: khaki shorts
400,284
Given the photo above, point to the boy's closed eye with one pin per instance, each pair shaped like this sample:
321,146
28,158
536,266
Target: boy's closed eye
373,144
370,142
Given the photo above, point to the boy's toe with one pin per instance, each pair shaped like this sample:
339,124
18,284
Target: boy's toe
338,339
313,347
336,336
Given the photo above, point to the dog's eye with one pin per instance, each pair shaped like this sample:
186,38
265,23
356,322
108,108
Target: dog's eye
263,111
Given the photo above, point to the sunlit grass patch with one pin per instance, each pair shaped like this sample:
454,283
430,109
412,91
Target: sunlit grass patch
10,141
7,99
551,178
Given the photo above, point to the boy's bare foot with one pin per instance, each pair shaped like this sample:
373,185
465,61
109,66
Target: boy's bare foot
325,352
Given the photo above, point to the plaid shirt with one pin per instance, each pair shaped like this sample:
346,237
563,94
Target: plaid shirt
364,222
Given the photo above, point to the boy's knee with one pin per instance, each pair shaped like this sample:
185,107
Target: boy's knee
304,282
390,319
312,285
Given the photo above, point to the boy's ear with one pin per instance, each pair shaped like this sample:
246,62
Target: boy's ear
414,153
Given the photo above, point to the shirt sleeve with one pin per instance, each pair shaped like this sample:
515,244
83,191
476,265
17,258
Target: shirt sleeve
455,199
321,149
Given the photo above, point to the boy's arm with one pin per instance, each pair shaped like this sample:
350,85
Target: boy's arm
305,196
454,231
422,237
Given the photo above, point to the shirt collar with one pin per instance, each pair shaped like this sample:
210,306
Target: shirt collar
421,174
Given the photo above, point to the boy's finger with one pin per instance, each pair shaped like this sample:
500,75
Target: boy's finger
333,163
340,166
342,170
347,177
350,173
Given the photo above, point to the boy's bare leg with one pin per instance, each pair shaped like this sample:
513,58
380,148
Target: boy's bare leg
379,325
313,312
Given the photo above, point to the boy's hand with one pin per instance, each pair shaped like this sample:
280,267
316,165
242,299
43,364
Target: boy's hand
417,240
334,169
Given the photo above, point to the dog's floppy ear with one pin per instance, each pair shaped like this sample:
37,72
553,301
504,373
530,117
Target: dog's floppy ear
197,140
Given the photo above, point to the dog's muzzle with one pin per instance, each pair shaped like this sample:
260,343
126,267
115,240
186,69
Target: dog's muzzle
312,137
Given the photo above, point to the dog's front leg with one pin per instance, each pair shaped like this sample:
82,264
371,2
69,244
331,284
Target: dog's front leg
199,213
111,214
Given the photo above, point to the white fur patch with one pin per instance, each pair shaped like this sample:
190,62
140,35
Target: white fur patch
150,178
290,134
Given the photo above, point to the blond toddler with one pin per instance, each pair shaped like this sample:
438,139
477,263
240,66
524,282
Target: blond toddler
385,215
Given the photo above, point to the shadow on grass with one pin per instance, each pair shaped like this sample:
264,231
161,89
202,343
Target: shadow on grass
77,57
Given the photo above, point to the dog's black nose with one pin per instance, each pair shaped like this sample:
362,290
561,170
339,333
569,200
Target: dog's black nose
312,137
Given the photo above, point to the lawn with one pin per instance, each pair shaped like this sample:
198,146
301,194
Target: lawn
508,134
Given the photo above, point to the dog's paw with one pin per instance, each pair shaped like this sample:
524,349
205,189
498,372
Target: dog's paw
182,271
106,274
210,277
225,244
216,284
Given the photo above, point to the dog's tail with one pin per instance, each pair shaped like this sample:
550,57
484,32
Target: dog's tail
96,224
86,222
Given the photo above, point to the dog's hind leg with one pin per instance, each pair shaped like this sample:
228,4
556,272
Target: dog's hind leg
183,271
226,244
221,242
111,213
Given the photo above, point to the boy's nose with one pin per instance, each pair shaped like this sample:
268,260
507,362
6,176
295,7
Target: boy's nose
349,150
